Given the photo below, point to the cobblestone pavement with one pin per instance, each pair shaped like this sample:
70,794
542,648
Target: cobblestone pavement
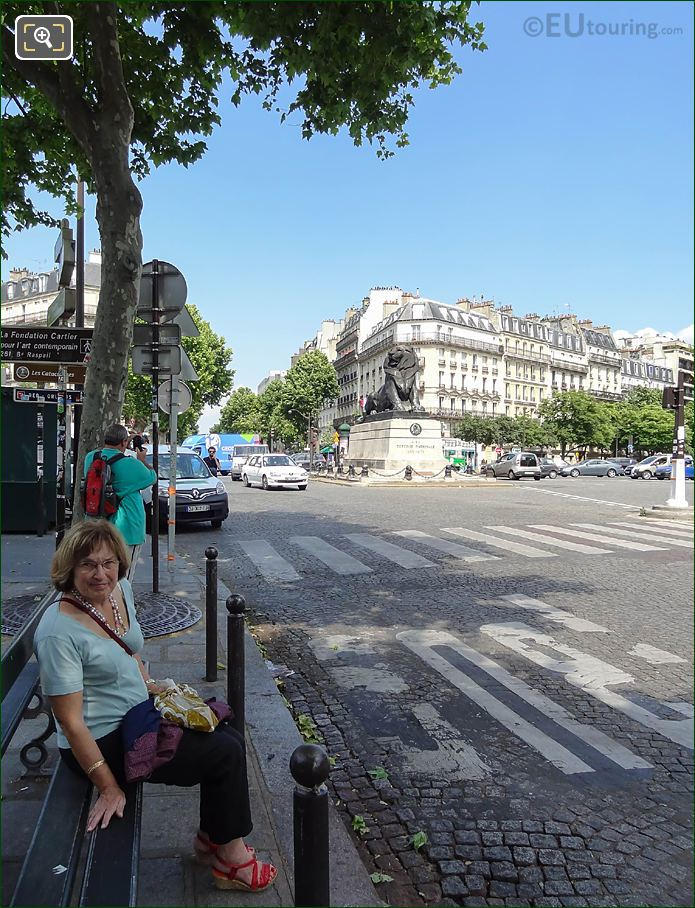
527,709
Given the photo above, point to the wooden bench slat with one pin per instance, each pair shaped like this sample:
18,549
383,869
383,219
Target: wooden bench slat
111,874
17,700
56,842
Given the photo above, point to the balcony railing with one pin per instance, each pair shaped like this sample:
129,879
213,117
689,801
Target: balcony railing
461,342
606,395
532,357
609,360
568,366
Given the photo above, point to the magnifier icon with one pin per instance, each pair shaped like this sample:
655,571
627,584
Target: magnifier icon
43,36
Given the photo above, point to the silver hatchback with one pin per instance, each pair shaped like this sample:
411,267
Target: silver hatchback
515,466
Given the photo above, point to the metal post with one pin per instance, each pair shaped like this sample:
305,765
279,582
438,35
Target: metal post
173,436
310,768
351,470
447,471
311,447
678,499
61,430
79,323
155,426
41,523
408,472
211,613
365,470
236,693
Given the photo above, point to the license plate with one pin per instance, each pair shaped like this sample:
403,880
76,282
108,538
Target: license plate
197,507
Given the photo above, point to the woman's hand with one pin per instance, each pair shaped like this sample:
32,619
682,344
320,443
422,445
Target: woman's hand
110,801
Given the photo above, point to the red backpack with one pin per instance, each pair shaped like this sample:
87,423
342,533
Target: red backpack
98,496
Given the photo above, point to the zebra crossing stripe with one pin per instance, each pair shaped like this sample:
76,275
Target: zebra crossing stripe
400,556
653,655
589,674
421,642
560,543
620,543
337,561
498,543
556,615
666,532
615,504
267,560
631,534
463,552
668,526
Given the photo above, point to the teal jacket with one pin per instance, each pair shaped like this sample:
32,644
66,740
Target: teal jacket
128,476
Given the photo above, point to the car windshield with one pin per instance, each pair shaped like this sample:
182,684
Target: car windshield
648,459
188,466
248,450
277,460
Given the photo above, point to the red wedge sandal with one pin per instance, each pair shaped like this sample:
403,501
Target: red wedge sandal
262,876
205,850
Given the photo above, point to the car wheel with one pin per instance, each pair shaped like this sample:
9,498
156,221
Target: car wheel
245,480
552,474
216,524
302,488
647,474
510,475
264,483
537,478
660,476
611,473
574,473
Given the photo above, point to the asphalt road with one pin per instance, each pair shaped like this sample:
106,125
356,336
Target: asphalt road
506,669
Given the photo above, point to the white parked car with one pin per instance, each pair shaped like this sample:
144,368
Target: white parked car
273,471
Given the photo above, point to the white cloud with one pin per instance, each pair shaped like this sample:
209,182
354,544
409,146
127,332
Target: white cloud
686,334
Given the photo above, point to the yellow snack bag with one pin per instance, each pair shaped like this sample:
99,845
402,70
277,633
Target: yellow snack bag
182,705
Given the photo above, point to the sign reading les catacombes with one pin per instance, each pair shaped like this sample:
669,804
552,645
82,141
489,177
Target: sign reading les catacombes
46,345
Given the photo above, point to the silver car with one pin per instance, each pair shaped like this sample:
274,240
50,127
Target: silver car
515,466
594,467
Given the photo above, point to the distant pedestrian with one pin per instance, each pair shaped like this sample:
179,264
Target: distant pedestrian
128,476
212,461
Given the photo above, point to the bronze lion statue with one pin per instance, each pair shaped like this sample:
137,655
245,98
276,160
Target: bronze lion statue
399,391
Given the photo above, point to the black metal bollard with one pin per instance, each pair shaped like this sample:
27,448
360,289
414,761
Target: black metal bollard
236,662
211,613
310,768
408,472
351,470
447,471
365,470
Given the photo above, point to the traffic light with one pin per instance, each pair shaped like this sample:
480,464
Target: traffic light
671,397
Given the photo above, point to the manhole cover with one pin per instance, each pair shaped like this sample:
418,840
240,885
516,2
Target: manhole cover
158,614
16,612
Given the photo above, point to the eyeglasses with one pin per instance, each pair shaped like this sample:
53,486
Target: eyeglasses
92,567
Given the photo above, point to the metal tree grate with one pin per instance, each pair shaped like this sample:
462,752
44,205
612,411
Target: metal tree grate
157,614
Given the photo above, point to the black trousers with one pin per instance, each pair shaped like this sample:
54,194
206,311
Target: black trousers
214,760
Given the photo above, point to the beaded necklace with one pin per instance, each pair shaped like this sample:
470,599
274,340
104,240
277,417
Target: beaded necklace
119,625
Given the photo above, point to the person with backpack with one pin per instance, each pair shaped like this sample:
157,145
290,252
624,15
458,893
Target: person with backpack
112,488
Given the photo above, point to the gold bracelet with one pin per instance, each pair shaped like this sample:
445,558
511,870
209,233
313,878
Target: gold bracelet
95,766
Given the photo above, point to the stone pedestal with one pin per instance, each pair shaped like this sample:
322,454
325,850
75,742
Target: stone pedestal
387,443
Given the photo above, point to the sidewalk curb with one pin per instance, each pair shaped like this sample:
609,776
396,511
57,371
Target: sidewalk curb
273,736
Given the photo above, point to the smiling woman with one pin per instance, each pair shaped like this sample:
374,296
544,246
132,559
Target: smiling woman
87,645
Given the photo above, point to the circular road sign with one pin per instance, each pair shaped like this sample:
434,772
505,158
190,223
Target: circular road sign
171,285
185,398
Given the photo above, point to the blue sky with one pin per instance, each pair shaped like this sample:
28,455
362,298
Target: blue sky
555,172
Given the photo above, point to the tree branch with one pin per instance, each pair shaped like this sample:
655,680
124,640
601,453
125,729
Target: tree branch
108,66
60,89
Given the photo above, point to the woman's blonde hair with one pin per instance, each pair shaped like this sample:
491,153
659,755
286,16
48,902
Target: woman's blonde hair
79,543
